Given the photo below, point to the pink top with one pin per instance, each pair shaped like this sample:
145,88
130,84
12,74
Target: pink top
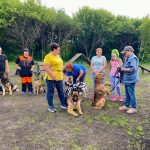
114,65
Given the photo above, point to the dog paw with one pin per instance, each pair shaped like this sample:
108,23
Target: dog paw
81,113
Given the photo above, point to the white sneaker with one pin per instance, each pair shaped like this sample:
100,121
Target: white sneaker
132,110
124,108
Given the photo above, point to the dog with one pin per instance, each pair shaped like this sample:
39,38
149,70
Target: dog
6,85
81,86
38,86
74,102
101,90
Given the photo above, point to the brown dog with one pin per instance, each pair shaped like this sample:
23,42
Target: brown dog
101,90
38,86
74,102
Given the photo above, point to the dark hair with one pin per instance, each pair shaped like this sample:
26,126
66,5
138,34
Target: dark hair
54,46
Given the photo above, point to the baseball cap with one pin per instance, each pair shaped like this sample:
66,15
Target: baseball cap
127,48
26,50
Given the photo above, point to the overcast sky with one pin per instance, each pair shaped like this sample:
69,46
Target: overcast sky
130,8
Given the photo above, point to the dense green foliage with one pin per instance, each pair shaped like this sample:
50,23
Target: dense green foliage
29,24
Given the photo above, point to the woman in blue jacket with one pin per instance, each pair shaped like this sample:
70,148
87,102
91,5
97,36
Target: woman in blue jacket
130,76
77,71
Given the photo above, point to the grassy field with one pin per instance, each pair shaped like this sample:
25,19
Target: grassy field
26,123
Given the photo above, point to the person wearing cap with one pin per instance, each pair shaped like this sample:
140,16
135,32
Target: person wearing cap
77,71
115,63
53,66
25,66
130,76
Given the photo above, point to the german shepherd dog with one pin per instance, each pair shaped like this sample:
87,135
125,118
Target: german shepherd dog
74,102
6,85
101,90
38,87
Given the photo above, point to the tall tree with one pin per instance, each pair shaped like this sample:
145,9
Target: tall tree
145,40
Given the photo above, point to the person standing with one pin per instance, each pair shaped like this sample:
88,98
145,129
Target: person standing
98,63
53,66
25,66
4,65
129,79
115,63
77,71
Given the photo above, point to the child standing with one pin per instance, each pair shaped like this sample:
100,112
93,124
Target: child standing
114,75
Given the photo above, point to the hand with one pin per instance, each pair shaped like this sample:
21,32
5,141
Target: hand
7,71
119,69
19,68
55,78
77,80
32,69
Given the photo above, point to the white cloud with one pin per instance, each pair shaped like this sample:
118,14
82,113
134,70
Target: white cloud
131,8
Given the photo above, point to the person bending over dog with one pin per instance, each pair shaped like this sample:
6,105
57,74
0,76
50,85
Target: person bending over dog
25,66
77,71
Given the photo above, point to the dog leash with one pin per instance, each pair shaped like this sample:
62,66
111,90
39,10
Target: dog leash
117,71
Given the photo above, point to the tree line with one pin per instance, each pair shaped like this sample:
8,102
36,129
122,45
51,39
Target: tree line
30,24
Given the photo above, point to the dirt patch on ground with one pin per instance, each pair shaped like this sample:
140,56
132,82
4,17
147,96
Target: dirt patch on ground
26,124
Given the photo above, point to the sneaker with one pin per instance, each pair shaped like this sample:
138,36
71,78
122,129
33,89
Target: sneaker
22,93
124,108
51,109
131,111
64,107
120,98
29,93
113,98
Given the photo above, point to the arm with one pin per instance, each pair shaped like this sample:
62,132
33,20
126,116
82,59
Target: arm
32,68
80,74
17,64
49,71
104,65
132,67
7,66
92,67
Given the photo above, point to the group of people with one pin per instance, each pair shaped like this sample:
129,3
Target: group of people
126,70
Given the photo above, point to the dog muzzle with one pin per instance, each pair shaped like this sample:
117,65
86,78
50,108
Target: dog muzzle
75,99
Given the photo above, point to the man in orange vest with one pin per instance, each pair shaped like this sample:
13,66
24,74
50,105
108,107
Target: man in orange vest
25,66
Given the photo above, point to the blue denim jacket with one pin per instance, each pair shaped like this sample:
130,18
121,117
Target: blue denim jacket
133,76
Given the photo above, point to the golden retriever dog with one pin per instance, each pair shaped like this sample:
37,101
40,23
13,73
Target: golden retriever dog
6,85
74,102
101,90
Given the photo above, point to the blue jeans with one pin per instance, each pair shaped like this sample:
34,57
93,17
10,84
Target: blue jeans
50,92
114,83
130,95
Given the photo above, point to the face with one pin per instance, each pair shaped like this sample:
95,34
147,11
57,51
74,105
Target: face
127,53
57,50
26,54
69,69
99,52
114,57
